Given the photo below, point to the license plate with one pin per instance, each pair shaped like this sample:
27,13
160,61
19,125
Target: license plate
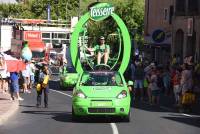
101,103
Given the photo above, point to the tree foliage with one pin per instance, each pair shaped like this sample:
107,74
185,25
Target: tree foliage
131,11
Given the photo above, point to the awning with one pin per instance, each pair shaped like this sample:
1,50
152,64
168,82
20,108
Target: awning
36,46
32,21
13,64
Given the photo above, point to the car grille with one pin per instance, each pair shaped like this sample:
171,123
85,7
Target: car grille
101,110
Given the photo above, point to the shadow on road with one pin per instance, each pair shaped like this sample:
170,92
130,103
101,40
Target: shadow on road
4,99
62,116
193,121
147,107
27,106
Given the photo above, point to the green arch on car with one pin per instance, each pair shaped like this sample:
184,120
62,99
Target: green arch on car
75,36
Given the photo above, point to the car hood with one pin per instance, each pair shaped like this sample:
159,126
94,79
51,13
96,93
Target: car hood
102,91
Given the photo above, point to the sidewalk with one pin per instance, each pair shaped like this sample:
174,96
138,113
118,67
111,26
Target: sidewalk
168,102
7,107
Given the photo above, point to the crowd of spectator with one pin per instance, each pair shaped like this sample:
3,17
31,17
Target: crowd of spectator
23,81
172,80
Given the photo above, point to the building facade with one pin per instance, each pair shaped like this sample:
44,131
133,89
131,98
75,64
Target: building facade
158,29
186,28
179,21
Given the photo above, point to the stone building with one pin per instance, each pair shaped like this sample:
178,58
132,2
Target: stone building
186,28
172,27
158,29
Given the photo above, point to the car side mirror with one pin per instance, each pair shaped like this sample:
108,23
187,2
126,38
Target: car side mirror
130,83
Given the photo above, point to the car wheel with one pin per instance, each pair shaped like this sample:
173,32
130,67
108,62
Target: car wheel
127,118
74,116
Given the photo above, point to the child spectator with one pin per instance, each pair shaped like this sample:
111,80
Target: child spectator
14,88
154,88
176,85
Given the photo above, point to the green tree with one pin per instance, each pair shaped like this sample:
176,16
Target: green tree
131,12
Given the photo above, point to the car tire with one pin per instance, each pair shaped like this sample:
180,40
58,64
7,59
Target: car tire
127,118
74,116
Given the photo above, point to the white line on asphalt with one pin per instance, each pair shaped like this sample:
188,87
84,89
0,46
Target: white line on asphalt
113,125
61,93
114,128
187,115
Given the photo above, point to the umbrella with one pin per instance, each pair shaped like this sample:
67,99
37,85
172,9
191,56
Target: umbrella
13,64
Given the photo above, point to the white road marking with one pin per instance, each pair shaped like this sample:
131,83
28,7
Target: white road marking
192,116
61,93
113,125
187,115
114,128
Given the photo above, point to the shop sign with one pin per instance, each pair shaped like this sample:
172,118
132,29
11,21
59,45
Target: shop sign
158,36
32,35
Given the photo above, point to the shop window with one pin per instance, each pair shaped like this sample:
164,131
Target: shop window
46,35
62,35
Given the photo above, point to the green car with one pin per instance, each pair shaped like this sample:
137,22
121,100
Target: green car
68,77
101,93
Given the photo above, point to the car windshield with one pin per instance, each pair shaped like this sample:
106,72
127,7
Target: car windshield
101,79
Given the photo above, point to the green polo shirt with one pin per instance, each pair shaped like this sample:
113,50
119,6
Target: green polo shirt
101,48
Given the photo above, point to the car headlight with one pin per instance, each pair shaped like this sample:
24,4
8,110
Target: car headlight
80,94
122,95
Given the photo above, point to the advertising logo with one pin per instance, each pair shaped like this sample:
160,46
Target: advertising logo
101,11
158,36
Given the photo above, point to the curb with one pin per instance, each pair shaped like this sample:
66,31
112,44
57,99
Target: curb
13,108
